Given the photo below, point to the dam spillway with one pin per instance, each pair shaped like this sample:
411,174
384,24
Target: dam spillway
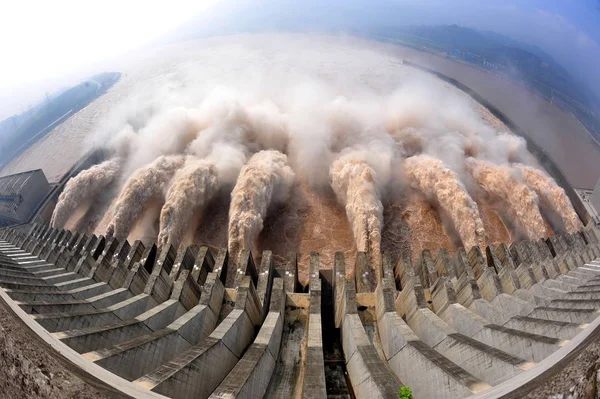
149,321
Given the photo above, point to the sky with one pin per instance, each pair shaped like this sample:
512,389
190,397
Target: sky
47,45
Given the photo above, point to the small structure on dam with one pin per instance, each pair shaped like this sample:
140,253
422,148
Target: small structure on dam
20,196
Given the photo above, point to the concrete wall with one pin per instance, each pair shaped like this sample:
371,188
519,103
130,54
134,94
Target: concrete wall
33,193
30,188
595,199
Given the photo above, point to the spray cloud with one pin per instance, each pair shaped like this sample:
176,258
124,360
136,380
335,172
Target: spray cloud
313,100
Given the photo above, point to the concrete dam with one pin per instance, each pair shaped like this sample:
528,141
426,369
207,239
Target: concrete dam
304,236
144,322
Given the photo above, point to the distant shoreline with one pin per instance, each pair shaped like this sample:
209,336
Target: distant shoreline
540,154
554,131
36,135
521,83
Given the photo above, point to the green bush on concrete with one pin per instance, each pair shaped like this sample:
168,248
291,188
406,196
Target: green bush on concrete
405,393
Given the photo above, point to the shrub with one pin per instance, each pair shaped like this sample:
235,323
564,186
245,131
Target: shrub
405,393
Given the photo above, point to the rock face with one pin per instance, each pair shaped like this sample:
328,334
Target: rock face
579,380
28,371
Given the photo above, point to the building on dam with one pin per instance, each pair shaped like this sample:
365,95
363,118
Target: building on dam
20,195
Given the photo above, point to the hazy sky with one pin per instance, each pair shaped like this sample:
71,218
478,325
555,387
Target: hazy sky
49,44
569,30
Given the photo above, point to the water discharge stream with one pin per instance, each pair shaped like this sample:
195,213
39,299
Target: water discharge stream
86,185
501,182
147,182
553,195
192,187
432,178
354,184
265,179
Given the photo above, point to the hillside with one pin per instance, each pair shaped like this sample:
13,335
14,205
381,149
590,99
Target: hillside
20,131
527,64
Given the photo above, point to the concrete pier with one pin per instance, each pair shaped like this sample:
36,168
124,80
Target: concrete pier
188,322
370,376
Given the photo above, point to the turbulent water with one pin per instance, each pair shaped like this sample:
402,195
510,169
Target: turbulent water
145,183
436,181
83,187
381,155
553,195
500,181
353,182
266,178
192,187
